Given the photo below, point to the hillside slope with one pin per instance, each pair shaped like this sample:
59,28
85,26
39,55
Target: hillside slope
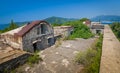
58,20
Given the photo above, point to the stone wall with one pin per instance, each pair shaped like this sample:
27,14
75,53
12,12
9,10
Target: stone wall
41,40
95,31
10,40
64,31
13,63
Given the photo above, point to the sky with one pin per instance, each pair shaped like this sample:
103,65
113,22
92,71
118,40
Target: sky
29,10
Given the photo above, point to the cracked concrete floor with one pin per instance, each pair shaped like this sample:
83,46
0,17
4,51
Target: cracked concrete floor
61,59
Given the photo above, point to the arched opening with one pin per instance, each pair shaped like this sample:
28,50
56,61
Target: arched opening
35,46
98,32
38,45
44,29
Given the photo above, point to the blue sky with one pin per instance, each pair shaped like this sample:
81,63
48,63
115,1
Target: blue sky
27,10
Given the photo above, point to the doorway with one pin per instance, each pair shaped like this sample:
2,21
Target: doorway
35,47
50,41
98,32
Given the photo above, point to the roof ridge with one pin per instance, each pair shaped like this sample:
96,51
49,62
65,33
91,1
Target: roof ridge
28,27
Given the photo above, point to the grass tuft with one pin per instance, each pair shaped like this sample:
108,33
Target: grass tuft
35,58
90,59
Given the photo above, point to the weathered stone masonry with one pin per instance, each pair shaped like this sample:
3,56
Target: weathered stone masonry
13,63
34,36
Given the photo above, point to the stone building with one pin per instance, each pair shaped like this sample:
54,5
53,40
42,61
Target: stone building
87,23
95,23
97,28
33,36
64,31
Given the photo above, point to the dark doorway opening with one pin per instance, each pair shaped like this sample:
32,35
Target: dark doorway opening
35,47
50,41
98,31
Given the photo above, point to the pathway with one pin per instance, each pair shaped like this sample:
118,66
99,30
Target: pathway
110,59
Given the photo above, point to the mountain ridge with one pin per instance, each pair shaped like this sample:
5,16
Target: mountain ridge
111,18
51,20
60,20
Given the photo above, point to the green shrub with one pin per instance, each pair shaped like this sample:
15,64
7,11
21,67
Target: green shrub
85,57
116,29
90,59
35,58
80,58
80,30
94,65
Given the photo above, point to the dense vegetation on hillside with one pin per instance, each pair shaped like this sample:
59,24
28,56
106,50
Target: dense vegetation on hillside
116,29
58,20
10,27
80,30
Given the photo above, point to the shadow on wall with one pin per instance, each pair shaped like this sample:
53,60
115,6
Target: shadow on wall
43,44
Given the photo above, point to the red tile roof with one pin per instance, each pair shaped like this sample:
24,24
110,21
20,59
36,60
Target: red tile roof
87,22
28,27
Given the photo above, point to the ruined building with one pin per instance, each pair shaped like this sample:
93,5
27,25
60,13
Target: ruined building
33,36
97,28
64,31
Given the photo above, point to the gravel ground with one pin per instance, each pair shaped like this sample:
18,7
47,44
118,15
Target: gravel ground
61,59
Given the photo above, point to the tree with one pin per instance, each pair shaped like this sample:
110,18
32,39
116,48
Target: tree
80,30
10,27
84,19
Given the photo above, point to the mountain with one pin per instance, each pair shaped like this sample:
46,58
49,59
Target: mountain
51,20
58,20
106,18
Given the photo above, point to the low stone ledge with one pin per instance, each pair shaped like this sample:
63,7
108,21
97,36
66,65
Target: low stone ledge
13,63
